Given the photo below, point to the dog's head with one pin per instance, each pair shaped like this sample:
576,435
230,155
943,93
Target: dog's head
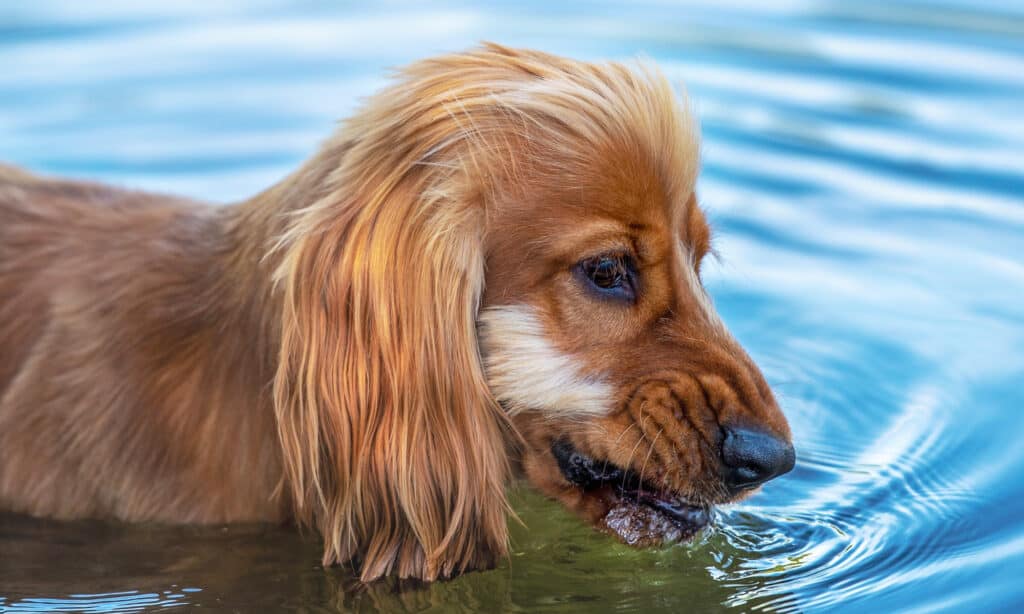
504,253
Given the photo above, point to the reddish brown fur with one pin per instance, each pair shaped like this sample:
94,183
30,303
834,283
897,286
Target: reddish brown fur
312,353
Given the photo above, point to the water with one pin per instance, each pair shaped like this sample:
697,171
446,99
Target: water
863,167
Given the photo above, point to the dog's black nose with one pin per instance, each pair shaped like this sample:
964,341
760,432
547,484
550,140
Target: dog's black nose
752,457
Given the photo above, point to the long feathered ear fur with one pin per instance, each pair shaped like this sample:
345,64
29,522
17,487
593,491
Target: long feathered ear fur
393,446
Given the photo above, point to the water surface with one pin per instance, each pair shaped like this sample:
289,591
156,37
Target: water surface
863,168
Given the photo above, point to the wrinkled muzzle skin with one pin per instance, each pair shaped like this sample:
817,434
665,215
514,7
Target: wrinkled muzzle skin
637,408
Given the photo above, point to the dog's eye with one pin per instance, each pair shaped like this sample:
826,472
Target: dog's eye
610,275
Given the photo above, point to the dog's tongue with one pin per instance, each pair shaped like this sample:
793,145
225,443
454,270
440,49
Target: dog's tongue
651,521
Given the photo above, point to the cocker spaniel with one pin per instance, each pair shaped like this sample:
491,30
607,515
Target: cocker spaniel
493,266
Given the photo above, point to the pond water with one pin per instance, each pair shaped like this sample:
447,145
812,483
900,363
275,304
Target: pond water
863,168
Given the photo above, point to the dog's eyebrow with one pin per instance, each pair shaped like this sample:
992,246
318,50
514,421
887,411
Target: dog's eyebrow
599,231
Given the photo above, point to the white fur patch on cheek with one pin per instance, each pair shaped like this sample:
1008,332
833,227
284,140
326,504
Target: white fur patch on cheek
526,372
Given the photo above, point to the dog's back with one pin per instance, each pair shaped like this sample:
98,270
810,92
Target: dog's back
21,316
57,237
35,216
111,307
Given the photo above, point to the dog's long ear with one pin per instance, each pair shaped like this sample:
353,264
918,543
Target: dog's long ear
392,443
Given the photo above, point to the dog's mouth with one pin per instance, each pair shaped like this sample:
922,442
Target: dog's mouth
638,513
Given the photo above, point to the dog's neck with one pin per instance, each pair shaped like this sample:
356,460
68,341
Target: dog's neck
254,227
220,321
246,252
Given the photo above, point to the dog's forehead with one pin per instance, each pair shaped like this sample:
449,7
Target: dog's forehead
634,192
622,187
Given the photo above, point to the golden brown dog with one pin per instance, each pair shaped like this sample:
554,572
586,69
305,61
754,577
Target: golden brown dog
494,264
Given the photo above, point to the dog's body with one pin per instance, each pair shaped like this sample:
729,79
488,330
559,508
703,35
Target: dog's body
496,262
122,394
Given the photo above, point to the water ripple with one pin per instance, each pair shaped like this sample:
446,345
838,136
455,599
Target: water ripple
100,603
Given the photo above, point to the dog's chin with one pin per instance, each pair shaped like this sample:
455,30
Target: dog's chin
637,512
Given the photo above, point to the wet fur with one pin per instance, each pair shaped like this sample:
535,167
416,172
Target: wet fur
312,353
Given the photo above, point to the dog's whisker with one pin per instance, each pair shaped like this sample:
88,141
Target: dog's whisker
615,443
629,460
650,451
